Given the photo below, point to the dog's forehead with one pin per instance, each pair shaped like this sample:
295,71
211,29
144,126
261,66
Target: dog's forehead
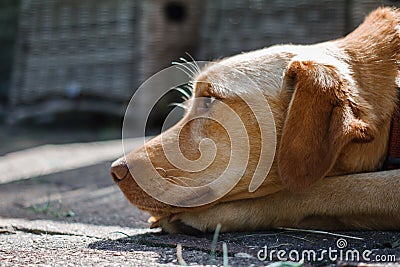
260,70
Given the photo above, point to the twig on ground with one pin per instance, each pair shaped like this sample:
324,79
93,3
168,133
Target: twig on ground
319,232
179,256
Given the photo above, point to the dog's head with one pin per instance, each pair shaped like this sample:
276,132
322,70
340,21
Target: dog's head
315,121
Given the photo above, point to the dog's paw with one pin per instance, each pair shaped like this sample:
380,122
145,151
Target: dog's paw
173,225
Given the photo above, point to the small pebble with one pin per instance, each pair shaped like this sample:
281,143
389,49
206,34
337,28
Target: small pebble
243,255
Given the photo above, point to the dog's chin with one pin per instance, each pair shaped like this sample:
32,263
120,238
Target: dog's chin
168,222
164,216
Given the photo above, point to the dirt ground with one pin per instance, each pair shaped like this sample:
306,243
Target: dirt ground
76,216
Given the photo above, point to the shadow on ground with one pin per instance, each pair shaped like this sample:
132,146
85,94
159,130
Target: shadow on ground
259,248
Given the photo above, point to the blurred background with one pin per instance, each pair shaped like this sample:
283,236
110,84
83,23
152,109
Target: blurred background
69,68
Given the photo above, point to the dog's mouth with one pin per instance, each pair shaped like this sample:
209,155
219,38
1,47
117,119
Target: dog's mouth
139,198
162,215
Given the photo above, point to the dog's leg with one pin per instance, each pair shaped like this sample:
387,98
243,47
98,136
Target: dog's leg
362,201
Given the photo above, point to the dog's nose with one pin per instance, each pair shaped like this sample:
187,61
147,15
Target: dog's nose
119,169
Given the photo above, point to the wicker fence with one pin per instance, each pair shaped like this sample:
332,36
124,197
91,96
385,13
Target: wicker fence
74,55
8,25
234,26
92,54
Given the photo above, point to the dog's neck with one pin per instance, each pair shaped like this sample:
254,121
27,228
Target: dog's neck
375,47
372,53
376,40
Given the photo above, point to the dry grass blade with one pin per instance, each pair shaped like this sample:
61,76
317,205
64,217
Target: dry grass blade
179,256
320,232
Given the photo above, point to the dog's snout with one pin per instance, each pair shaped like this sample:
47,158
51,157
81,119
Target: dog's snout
119,170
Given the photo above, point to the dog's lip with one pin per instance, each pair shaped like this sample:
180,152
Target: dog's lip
155,221
156,211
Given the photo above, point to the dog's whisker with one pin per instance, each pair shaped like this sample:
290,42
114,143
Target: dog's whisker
194,62
175,180
179,105
178,179
183,67
186,90
163,170
189,87
169,170
187,178
191,65
186,185
183,92
170,180
185,61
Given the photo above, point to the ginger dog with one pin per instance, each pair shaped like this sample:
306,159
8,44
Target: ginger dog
332,105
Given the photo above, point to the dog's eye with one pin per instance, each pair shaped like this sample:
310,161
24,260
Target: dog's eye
208,101
204,103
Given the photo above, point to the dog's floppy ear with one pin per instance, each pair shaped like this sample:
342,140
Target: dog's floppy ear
322,119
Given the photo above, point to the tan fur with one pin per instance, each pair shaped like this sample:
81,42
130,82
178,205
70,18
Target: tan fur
332,105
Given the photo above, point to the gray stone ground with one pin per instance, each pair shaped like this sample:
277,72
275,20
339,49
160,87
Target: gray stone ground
62,209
